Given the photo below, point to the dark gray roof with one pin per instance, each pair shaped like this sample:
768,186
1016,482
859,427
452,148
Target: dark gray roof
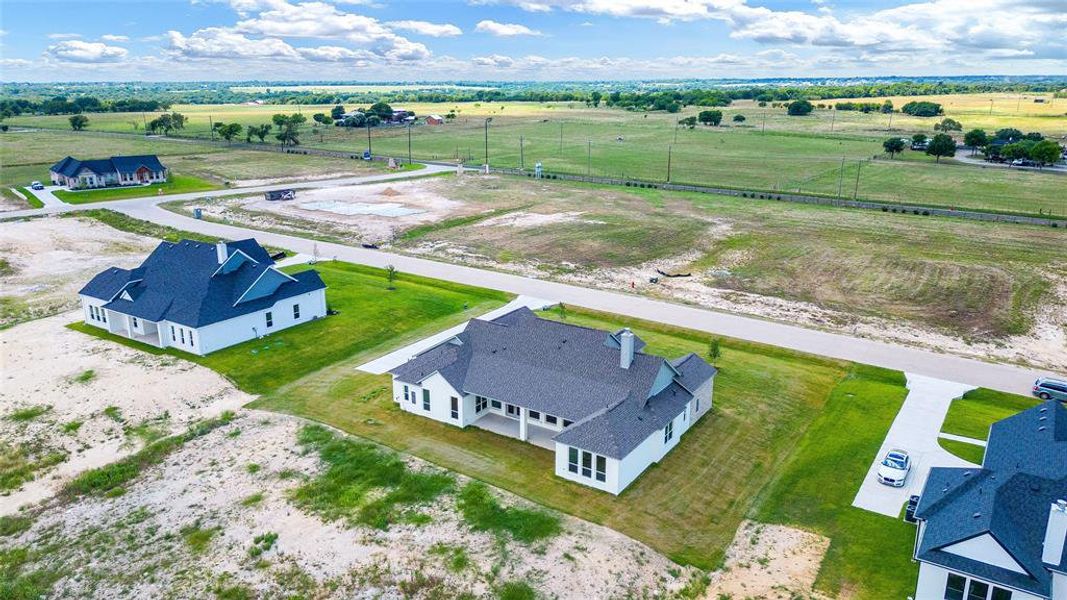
178,282
70,166
565,370
1024,472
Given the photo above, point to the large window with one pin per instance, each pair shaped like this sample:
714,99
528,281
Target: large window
296,311
454,407
955,587
978,591
270,319
425,399
480,403
405,392
572,465
668,432
535,415
587,464
495,404
601,468
550,419
958,587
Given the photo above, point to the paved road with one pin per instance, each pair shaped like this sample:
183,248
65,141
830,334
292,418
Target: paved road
1004,377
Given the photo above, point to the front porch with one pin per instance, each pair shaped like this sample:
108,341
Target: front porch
509,427
147,332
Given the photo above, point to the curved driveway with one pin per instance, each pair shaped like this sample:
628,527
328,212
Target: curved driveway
974,372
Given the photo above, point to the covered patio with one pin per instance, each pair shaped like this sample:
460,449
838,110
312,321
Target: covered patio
506,426
123,325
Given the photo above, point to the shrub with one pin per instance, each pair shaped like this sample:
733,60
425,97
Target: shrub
482,512
29,413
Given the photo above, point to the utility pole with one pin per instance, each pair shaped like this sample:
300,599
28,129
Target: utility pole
522,157
676,133
833,119
211,125
144,120
487,121
841,177
668,164
990,106
764,123
561,138
588,157
369,150
890,121
409,143
856,190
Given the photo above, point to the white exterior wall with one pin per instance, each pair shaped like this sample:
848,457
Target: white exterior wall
191,341
1059,586
441,393
87,314
247,327
611,471
933,578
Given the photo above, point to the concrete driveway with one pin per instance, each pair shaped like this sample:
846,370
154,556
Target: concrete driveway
915,430
398,357
46,196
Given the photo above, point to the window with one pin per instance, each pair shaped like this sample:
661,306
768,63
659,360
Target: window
135,322
425,399
270,319
535,415
550,419
103,315
668,432
978,590
572,462
601,468
1000,594
512,411
181,330
405,392
955,586
495,404
455,408
296,311
567,423
480,404
587,464
173,336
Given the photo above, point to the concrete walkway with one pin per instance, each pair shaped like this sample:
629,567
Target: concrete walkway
915,430
397,357
960,438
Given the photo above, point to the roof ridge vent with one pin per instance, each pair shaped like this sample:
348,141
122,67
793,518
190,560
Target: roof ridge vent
976,515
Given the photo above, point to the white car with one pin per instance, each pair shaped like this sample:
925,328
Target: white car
894,468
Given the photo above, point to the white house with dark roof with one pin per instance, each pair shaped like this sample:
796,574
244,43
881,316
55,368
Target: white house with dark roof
117,170
201,297
605,408
999,532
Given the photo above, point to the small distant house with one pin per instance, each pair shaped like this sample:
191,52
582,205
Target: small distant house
999,531
117,170
603,406
201,297
435,120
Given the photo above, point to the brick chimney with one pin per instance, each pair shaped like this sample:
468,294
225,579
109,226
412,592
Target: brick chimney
1055,533
626,348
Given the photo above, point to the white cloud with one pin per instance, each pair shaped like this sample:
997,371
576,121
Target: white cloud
496,61
427,28
85,52
114,38
218,42
504,29
336,54
64,36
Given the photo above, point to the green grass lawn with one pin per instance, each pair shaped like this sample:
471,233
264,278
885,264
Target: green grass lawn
177,184
968,452
973,414
369,315
688,506
870,554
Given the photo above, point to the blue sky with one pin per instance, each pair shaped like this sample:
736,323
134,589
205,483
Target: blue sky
380,40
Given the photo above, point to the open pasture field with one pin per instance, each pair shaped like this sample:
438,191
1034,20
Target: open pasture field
27,155
311,87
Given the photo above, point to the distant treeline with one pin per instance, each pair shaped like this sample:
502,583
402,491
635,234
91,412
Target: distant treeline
61,105
20,98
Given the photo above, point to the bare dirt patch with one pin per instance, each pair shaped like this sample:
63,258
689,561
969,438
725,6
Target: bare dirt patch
103,400
189,527
51,258
771,562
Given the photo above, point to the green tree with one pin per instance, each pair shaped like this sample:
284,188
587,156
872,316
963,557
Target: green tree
948,125
1009,134
710,117
383,110
799,108
390,275
595,97
337,112
975,138
893,145
714,350
289,128
78,122
322,118
260,131
922,109
1015,151
373,120
228,131
1046,152
941,144
689,122
177,120
887,107
918,139
739,118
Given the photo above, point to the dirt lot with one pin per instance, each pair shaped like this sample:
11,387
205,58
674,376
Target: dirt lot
770,562
45,261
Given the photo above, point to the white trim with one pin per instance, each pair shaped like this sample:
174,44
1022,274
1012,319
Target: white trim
969,575
121,289
261,275
235,253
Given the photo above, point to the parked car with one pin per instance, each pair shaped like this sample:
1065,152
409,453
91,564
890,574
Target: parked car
909,512
1048,388
894,468
36,185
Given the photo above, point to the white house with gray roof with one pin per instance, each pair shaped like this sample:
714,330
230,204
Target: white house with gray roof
999,531
605,408
200,297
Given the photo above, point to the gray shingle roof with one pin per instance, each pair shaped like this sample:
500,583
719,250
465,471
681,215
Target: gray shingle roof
565,370
70,166
178,282
1024,472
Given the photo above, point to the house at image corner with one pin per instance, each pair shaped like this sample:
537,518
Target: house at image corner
201,297
117,170
999,532
607,409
